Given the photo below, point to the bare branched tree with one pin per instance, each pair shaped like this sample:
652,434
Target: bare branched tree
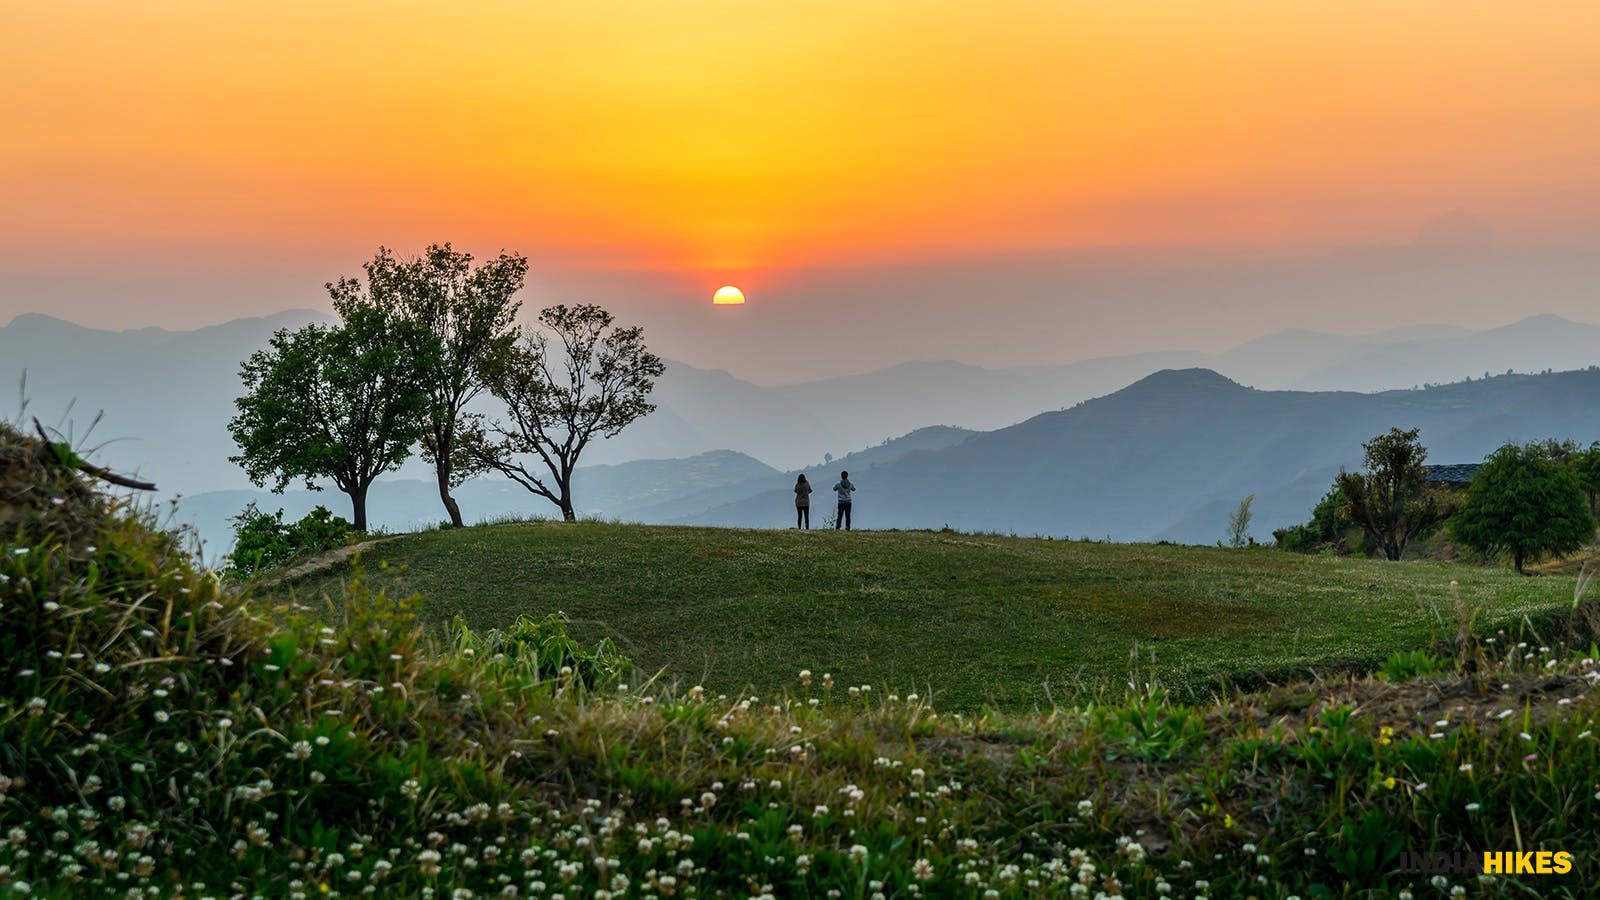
594,381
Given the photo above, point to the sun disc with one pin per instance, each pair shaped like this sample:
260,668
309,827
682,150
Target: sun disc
728,295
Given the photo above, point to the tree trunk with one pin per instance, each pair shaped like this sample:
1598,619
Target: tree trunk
442,469
1392,548
1516,557
564,482
358,502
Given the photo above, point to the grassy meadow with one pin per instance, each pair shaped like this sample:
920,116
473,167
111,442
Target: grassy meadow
164,733
967,619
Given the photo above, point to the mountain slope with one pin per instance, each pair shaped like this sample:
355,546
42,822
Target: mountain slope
713,410
899,398
1169,456
167,395
908,396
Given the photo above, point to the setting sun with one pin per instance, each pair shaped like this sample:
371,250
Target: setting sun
728,295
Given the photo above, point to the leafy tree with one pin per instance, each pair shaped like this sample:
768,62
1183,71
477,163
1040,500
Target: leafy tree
596,384
1525,505
1560,451
1586,467
1390,500
1239,523
345,403
467,313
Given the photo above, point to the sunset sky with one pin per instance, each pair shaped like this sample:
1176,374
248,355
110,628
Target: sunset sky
183,163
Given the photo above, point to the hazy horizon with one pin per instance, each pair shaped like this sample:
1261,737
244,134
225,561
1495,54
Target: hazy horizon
808,326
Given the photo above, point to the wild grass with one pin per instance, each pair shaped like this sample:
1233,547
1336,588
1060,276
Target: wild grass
164,735
976,619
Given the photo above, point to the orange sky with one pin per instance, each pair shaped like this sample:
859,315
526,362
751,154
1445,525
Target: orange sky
721,138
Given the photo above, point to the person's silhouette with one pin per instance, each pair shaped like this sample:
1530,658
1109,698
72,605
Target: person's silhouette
843,490
802,503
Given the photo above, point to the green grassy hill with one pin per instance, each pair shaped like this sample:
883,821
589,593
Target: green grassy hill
975,618
163,734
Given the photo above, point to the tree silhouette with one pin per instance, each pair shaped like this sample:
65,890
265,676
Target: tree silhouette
464,313
595,383
1390,500
1525,505
346,403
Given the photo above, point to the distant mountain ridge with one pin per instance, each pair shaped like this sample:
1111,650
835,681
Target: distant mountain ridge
903,397
168,396
1170,455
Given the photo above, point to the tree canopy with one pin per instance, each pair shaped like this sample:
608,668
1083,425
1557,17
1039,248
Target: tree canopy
1586,466
1523,504
594,383
346,403
1390,499
465,314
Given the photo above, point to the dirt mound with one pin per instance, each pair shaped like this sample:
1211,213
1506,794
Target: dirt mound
43,498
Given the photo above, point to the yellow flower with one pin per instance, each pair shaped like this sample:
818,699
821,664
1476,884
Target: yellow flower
1389,782
1227,821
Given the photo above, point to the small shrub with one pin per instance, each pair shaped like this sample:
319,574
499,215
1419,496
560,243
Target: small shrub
1239,523
1410,665
263,541
543,650
1331,531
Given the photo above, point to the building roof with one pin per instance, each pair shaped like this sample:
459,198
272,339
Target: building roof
1456,473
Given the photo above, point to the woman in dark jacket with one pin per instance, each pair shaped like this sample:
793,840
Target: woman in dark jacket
802,503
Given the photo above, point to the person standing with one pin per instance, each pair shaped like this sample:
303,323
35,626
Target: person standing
802,503
843,490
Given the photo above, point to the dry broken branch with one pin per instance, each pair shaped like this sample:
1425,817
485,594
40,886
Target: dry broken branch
88,468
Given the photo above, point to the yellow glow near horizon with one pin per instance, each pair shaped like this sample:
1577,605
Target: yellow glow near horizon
722,135
728,295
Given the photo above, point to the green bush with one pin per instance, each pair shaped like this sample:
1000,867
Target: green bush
1411,665
1330,529
542,650
263,541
